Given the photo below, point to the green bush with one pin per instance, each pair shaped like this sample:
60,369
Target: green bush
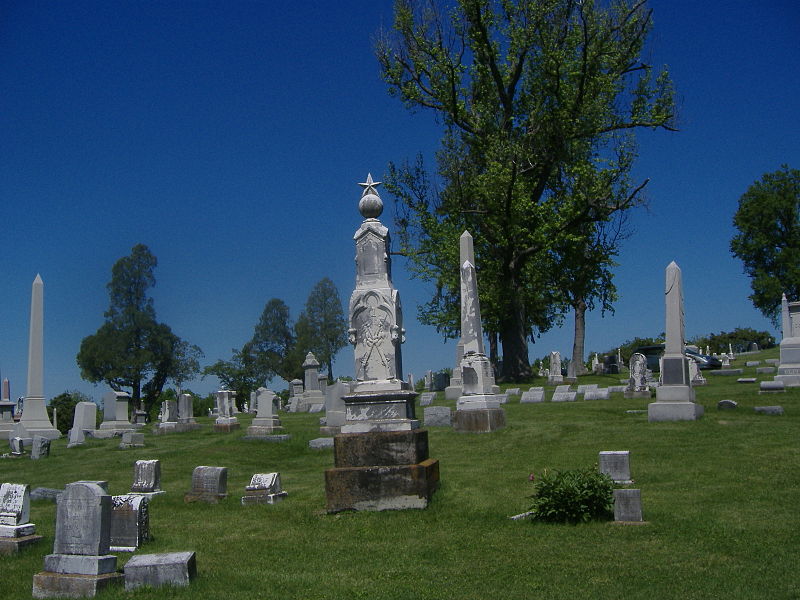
574,496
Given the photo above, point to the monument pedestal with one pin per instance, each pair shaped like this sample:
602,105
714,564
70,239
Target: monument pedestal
226,424
264,427
35,419
789,367
75,576
675,396
12,545
381,470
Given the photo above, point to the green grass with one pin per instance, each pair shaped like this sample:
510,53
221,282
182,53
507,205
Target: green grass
720,496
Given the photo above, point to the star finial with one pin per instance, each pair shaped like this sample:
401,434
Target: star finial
369,186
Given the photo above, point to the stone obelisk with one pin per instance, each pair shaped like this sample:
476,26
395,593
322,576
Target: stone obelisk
478,409
466,252
381,457
34,412
675,396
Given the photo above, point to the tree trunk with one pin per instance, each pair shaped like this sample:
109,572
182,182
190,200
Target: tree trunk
580,337
330,370
513,336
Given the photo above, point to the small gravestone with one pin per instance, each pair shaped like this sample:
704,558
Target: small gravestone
560,389
616,464
637,383
130,522
726,405
596,394
437,416
209,484
40,447
512,391
501,398
85,417
16,532
746,380
80,565
17,446
155,570
727,372
773,361
564,396
769,410
147,478
321,443
771,387
627,506
616,389
426,398
131,439
76,437
765,370
752,363
264,488
532,395
19,431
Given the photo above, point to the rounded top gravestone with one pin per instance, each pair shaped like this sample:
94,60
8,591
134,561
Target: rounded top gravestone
83,520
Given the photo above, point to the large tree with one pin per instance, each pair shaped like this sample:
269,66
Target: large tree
241,373
131,349
535,97
768,239
274,343
322,324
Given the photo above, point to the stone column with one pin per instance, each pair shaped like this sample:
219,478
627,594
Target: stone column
34,415
675,396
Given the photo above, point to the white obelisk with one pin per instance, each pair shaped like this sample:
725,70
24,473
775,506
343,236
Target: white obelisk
34,412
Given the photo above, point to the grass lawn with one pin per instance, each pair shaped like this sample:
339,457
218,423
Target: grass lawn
720,495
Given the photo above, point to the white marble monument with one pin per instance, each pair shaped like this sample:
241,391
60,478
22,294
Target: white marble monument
675,396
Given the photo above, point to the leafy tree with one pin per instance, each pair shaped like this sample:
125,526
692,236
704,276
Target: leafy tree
323,324
64,404
768,242
241,374
274,343
537,98
131,348
739,340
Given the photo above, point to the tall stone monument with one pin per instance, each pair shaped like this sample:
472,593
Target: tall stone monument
265,422
555,377
478,408
34,417
381,457
789,366
226,421
312,392
675,396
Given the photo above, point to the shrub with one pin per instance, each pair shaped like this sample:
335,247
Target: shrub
574,496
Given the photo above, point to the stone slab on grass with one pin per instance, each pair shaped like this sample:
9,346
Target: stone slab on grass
769,410
155,570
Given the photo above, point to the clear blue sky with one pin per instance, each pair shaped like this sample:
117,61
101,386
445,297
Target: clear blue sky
229,138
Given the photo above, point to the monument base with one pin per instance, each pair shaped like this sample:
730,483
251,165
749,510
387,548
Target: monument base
381,471
9,545
329,431
375,411
256,497
478,402
479,421
788,380
259,431
61,585
673,411
674,393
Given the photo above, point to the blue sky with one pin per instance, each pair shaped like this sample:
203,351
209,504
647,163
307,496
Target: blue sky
229,138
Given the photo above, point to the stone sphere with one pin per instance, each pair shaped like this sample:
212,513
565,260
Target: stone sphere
370,206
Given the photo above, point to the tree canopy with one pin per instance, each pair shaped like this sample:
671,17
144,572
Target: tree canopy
768,239
539,101
131,349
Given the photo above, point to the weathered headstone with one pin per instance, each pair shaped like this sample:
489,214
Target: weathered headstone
616,464
637,384
769,410
555,368
85,417
115,414
80,565
335,409
264,488
597,394
40,447
695,375
565,396
226,421
772,387
16,530
772,361
427,398
155,570
320,443
76,437
437,416
726,405
130,522
765,370
209,484
312,394
147,478
627,505
265,422
675,396
746,380
131,439
534,394
752,363
17,446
